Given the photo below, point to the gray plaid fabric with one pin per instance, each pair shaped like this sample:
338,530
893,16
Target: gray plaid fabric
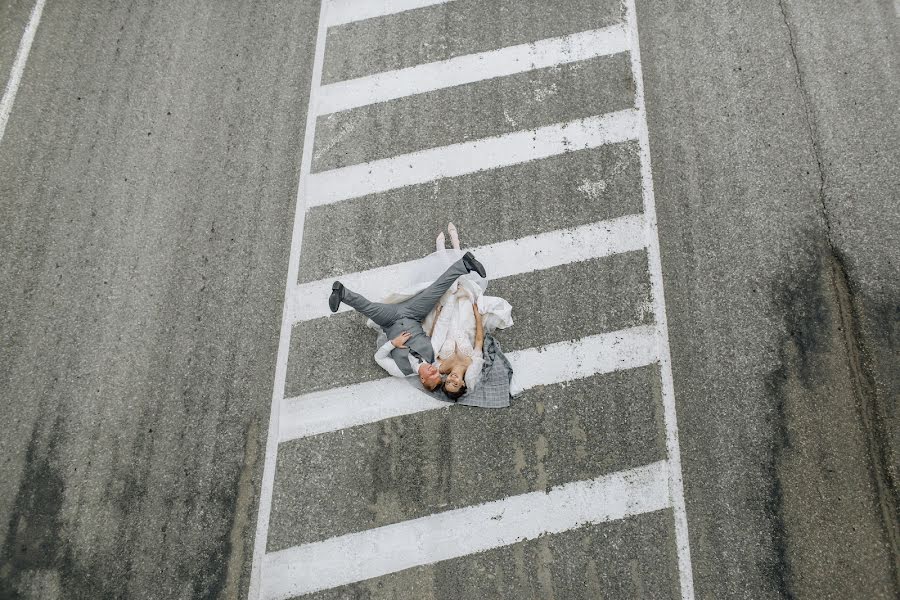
493,389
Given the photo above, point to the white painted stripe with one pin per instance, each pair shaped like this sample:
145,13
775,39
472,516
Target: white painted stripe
373,401
461,70
284,341
592,355
451,534
340,408
15,75
344,183
503,259
676,485
348,11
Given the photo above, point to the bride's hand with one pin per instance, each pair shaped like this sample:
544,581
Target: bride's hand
475,310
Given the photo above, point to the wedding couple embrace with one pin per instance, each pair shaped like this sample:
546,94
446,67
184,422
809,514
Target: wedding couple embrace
437,325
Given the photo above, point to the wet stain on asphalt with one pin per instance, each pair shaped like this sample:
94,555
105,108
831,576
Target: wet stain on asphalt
824,375
35,541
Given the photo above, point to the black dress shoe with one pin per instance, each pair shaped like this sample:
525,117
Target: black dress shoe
473,265
337,294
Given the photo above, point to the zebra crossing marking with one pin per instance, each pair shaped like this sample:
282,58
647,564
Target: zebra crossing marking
371,401
349,406
461,70
344,183
502,259
341,12
464,531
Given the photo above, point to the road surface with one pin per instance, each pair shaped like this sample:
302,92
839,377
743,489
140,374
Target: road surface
693,211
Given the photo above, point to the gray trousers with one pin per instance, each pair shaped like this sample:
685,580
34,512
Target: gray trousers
409,314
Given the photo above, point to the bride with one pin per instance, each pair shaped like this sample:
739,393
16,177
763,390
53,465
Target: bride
459,320
457,329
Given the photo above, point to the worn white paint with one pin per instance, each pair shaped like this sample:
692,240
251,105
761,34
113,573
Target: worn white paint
503,259
347,11
451,534
372,401
284,341
15,75
592,355
327,187
470,68
676,485
352,405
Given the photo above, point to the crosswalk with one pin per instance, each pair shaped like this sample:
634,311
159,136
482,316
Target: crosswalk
306,555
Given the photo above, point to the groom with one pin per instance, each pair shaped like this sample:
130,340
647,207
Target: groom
409,350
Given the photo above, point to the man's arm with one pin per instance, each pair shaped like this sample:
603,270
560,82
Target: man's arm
383,355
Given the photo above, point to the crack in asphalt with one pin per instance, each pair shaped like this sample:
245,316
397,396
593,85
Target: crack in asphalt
810,121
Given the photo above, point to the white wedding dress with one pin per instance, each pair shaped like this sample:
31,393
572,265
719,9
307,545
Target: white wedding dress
455,327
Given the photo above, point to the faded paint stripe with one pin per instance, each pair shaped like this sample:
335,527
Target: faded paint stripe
470,68
592,355
443,536
332,186
15,75
503,259
284,340
667,387
373,401
347,11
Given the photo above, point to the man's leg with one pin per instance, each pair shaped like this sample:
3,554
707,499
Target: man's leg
421,304
384,315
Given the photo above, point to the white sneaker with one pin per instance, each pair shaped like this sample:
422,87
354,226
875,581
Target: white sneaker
454,236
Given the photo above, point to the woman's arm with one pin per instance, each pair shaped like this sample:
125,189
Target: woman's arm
437,313
479,328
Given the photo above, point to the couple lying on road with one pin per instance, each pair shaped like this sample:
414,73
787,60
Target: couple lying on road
452,309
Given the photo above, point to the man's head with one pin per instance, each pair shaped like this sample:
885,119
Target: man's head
429,376
455,386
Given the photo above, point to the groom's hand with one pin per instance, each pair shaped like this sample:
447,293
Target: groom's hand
400,340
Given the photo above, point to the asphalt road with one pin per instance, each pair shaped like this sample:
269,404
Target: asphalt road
148,183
